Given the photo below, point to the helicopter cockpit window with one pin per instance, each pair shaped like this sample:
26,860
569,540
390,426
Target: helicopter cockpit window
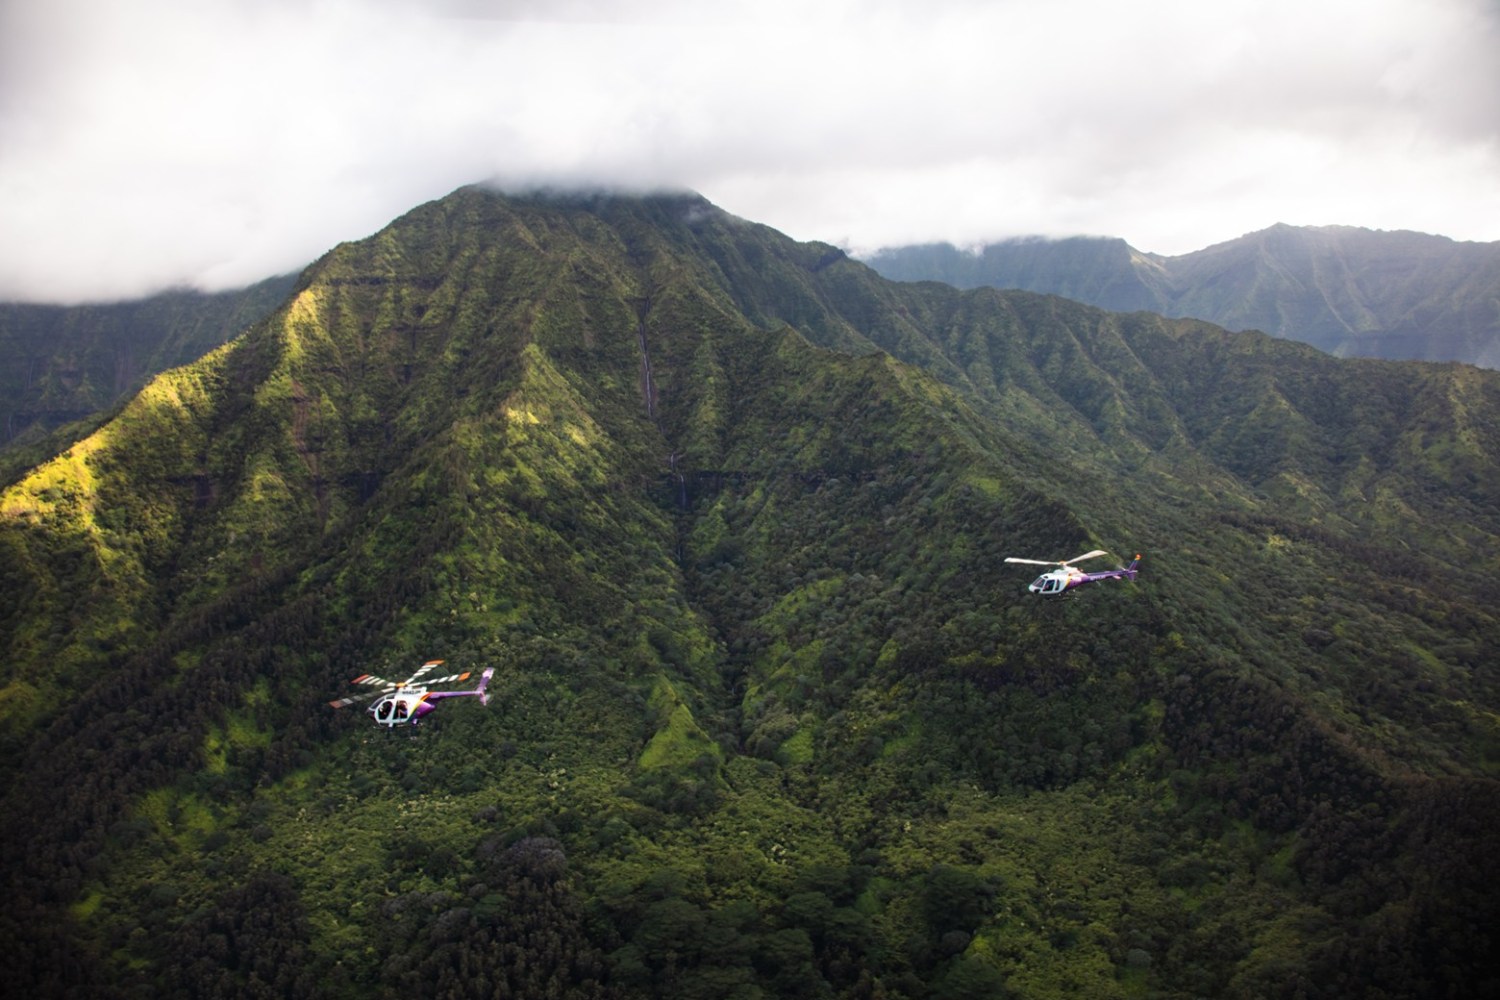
384,712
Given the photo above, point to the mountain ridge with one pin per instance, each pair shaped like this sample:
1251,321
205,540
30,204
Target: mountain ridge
1347,290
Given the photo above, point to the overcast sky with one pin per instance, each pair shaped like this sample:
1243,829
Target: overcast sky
209,143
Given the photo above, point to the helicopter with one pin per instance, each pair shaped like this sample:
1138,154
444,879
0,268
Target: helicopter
406,702
1067,576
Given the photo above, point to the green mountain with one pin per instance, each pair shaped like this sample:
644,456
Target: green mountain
771,717
1351,292
70,365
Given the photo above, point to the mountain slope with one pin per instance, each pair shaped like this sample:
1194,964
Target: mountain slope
727,513
1348,291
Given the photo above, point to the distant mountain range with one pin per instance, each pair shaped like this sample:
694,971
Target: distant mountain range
1348,291
771,715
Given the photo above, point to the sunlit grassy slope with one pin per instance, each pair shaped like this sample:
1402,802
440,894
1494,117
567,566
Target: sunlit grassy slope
771,716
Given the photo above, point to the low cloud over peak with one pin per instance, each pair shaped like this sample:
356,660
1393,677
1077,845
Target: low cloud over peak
147,144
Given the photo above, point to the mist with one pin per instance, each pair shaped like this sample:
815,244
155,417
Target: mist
146,145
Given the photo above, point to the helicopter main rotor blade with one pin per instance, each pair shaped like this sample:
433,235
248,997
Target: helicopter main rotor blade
451,677
419,672
1086,555
370,680
1033,562
346,701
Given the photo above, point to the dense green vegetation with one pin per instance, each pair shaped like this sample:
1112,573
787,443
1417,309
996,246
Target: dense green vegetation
771,716
1351,292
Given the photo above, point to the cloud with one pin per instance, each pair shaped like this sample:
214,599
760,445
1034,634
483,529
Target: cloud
147,144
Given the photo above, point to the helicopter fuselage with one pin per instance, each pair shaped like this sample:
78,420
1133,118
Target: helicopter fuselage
1055,582
400,708
1065,578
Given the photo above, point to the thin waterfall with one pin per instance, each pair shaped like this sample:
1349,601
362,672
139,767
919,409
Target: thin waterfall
648,389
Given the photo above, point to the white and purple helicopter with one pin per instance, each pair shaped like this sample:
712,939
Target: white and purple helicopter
1067,576
406,702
